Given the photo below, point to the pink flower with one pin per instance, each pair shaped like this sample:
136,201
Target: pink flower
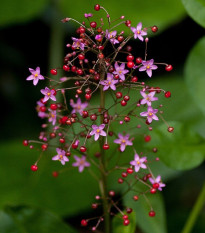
157,181
138,32
139,162
98,131
52,116
111,36
60,156
40,113
148,98
120,70
81,163
109,83
77,43
78,106
123,141
150,114
35,76
49,94
148,67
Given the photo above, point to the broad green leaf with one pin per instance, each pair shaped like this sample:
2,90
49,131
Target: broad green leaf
148,224
31,220
12,11
63,194
159,12
195,75
196,10
181,150
117,224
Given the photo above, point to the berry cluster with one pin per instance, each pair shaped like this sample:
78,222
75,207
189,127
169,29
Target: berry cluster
92,66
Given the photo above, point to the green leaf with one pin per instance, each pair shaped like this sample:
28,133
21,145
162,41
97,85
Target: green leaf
195,75
148,224
62,194
31,220
196,10
181,150
160,12
19,11
117,224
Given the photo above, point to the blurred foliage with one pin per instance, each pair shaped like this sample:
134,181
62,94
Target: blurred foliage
196,10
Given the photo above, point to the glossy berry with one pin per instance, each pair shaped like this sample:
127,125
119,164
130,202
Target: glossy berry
52,135
81,56
120,180
62,140
93,117
147,138
129,210
123,103
66,67
53,107
84,223
124,174
126,222
152,213
135,197
125,216
93,24
155,185
168,68
44,147
134,79
106,146
53,72
128,23
94,206
130,170
138,60
79,71
170,129
130,64
153,190
34,168
111,193
126,118
55,174
126,98
83,149
73,68
81,30
25,142
97,7
118,95
120,38
42,108
167,94
154,29
130,58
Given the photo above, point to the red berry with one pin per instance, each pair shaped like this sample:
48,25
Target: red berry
130,170
85,114
83,149
130,58
88,96
97,7
153,190
100,55
130,64
25,142
138,60
79,71
123,103
120,38
167,94
120,180
93,117
124,174
44,147
53,107
152,213
94,206
111,193
125,216
81,29
126,118
73,68
81,56
154,29
135,197
62,140
93,24
169,68
101,47
52,135
126,98
106,146
129,210
55,92
68,153
155,185
84,223
97,77
53,71
134,79
147,138
42,108
55,174
74,146
170,129
129,48
126,222
149,175
118,95
34,168
128,23
66,67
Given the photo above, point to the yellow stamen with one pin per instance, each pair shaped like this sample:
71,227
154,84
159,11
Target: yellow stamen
148,67
98,131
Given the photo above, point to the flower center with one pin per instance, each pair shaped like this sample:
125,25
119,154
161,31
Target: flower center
150,114
148,67
123,141
48,93
98,130
35,75
138,32
60,157
138,162
148,99
109,82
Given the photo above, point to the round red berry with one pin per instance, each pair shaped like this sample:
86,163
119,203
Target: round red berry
120,180
84,222
53,71
168,68
128,23
123,103
73,68
134,79
124,174
170,129
93,24
155,185
125,216
138,60
154,28
34,168
167,94
66,67
81,30
118,95
44,147
55,174
42,109
152,213
130,64
147,138
53,106
135,197
83,149
25,142
153,190
97,7
126,222
106,146
130,58
129,210
130,170
126,98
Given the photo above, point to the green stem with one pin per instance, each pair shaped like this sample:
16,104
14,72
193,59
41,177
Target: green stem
103,181
195,211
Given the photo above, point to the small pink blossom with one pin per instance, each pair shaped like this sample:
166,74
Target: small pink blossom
157,180
148,98
40,113
49,94
52,116
35,76
138,32
123,141
148,67
120,70
78,106
150,114
111,36
98,131
138,162
77,43
81,163
60,156
109,83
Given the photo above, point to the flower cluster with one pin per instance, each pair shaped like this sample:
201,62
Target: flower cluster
92,65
